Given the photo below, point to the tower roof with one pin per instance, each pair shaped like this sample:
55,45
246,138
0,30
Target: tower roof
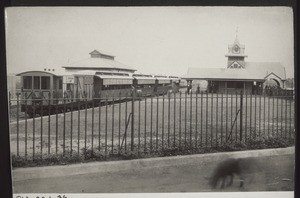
236,41
236,49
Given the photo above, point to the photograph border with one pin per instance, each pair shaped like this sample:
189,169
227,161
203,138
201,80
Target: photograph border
5,170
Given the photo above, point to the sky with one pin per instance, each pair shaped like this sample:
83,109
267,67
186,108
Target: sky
154,40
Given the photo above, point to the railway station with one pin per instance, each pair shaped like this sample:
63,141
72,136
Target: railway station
238,75
89,81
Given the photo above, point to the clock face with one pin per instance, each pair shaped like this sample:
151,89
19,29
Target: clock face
236,49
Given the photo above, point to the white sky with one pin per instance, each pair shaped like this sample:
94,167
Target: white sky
161,40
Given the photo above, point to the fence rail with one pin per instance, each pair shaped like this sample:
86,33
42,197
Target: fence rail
148,124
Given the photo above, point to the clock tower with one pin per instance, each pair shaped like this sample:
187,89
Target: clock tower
236,55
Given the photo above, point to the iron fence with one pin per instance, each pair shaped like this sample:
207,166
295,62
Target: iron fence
148,124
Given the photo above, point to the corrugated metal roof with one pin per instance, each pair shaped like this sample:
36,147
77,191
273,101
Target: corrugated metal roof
265,68
252,71
98,63
116,80
142,77
114,77
83,72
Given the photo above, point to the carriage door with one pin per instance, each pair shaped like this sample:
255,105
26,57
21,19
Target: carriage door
97,86
27,90
79,83
45,89
68,87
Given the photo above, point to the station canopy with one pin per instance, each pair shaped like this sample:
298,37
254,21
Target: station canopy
253,71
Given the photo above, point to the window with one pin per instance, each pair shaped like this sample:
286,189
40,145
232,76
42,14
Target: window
230,84
70,87
45,82
36,82
60,83
240,85
27,82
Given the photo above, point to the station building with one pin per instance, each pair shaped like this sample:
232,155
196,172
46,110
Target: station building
98,61
239,75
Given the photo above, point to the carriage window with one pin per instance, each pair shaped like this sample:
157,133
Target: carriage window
60,83
27,82
45,82
70,87
36,82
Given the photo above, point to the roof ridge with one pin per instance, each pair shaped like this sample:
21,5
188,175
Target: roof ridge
263,62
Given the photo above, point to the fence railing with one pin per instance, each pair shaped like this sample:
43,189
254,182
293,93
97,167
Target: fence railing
148,124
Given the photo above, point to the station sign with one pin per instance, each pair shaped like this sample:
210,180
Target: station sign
69,79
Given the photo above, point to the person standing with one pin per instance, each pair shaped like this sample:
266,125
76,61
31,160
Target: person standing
188,88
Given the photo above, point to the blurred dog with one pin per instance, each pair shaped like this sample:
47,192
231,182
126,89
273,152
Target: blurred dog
231,167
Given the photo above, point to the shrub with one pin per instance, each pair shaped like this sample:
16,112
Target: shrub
186,149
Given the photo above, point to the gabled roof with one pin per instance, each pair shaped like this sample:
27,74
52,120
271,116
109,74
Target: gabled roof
98,63
98,60
252,71
236,42
265,68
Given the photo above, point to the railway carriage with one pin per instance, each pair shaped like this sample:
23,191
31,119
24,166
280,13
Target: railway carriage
88,85
175,83
40,88
144,84
45,92
163,84
113,85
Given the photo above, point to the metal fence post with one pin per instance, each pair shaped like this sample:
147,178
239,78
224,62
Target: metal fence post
241,117
9,99
17,124
132,120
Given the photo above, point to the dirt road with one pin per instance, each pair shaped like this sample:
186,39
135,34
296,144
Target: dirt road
276,174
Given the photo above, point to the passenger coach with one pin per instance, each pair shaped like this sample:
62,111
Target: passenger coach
45,92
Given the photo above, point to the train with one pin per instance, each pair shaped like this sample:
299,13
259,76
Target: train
49,92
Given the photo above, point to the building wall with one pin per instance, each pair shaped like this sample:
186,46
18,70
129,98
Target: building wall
223,88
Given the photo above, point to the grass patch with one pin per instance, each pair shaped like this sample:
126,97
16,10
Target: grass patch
88,155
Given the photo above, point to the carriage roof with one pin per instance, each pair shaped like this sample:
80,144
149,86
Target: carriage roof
41,73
